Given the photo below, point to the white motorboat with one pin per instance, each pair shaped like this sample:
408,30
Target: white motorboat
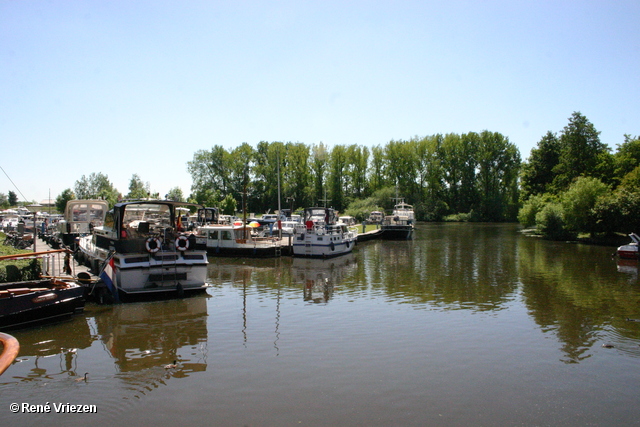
630,250
400,224
143,249
321,236
238,240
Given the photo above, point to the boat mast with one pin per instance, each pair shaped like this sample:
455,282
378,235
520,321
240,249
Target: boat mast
279,221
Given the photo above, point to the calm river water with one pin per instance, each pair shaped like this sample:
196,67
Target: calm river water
466,324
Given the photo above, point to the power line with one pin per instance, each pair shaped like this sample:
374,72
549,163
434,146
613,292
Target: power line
14,184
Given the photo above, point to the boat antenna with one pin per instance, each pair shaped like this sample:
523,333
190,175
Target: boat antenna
325,200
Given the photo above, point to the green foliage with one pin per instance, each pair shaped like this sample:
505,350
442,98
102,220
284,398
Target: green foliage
137,189
13,198
63,198
578,202
459,217
498,169
550,222
206,197
617,211
228,205
96,186
361,208
581,153
631,180
537,173
17,270
175,194
20,270
530,208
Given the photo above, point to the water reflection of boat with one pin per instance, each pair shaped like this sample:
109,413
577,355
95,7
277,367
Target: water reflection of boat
320,276
628,266
144,335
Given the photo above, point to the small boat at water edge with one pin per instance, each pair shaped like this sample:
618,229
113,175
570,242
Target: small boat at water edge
321,236
400,224
630,250
40,301
143,251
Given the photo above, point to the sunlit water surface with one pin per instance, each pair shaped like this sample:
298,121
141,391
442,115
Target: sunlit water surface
466,324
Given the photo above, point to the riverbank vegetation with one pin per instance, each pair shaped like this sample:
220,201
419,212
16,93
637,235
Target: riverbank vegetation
17,270
571,183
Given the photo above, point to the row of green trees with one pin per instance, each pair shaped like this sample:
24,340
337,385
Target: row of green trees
572,183
440,174
98,186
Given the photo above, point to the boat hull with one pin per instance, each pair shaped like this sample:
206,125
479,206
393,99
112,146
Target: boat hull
313,246
27,304
397,232
628,252
251,252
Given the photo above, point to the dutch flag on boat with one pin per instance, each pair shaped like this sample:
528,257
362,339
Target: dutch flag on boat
108,276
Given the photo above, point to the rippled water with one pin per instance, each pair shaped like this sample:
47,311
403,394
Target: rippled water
467,324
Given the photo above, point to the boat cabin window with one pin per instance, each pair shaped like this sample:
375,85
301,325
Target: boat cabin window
226,235
80,213
213,235
109,220
155,215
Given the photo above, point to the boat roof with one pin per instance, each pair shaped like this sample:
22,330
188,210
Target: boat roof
157,202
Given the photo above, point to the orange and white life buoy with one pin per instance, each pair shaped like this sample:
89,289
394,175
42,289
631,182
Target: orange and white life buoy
182,243
153,245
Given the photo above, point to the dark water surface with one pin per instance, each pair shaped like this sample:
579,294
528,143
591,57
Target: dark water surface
467,324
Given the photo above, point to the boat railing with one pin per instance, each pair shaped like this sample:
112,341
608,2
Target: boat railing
10,349
392,220
53,263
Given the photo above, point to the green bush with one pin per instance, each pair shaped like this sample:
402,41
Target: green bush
530,208
578,203
550,222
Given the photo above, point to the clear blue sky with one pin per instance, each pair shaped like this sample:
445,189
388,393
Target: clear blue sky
124,87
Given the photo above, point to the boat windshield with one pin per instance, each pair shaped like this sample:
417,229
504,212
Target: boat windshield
157,215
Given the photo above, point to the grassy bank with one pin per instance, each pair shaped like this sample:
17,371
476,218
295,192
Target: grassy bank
17,270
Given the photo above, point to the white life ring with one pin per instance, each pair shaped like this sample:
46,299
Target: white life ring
182,243
153,245
319,231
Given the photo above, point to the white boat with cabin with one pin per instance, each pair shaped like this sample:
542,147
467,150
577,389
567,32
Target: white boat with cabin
238,240
144,250
400,224
321,236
